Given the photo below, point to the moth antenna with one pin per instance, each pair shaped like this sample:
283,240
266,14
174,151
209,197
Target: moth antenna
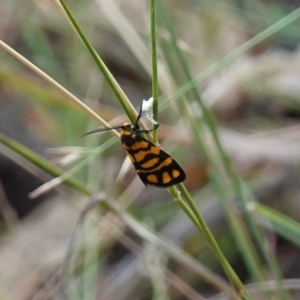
101,129
139,115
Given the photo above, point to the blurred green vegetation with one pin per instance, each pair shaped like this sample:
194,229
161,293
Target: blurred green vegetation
228,79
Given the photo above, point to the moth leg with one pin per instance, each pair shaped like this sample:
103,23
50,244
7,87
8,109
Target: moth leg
147,131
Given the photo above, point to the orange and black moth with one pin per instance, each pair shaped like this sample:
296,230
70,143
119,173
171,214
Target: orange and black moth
153,165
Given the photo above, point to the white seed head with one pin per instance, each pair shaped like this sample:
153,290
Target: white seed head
147,107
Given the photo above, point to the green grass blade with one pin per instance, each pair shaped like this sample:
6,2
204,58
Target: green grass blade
42,163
